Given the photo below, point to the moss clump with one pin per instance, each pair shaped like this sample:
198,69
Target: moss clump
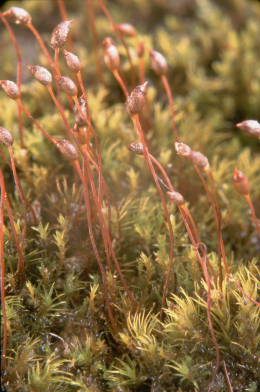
60,334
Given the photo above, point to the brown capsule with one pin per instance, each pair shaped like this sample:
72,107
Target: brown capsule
60,34
68,86
176,197
241,182
111,55
182,149
6,137
18,15
199,160
136,99
41,74
252,127
126,29
72,61
10,88
136,147
159,63
67,149
81,116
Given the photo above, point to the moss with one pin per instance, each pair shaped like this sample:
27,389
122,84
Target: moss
60,335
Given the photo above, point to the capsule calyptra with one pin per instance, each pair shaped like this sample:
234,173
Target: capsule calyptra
67,149
60,34
159,63
136,147
126,29
252,127
136,99
111,55
41,74
199,160
176,197
67,85
241,182
6,137
182,149
18,15
10,88
72,61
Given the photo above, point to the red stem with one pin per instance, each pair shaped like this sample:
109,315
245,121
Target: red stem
41,43
64,15
19,73
187,215
92,19
98,204
19,245
62,10
121,82
18,184
254,217
230,388
38,125
120,36
101,181
56,62
169,93
142,69
139,130
211,328
61,109
106,235
94,245
2,262
218,220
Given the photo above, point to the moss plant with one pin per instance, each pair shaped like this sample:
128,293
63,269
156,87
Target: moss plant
125,267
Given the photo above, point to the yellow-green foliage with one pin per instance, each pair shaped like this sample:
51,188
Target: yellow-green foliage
60,337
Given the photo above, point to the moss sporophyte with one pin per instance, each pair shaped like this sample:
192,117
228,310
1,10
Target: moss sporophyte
129,208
